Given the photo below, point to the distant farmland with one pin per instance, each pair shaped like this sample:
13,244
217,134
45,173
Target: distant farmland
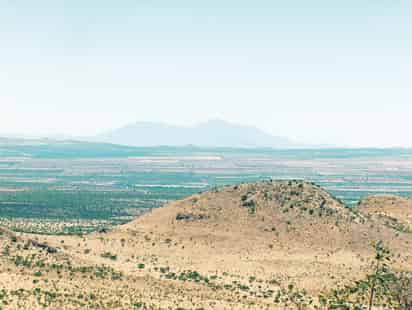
74,187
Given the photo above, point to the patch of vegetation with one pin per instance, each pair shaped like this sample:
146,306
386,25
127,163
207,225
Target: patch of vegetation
109,255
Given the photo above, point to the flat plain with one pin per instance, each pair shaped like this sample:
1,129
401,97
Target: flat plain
75,187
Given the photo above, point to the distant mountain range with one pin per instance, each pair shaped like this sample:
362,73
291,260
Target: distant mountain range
214,133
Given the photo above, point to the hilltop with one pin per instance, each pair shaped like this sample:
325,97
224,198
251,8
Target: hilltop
285,213
229,248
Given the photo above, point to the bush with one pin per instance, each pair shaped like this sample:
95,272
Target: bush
109,256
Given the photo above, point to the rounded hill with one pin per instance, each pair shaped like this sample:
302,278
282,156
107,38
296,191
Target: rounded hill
392,211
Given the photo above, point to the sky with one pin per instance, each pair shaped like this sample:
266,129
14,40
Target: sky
318,72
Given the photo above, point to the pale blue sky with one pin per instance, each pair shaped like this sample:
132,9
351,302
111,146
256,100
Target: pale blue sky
320,71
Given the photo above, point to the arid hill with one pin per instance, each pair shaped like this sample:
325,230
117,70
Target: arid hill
392,211
230,248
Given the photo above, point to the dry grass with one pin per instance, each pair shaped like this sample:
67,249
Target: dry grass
231,248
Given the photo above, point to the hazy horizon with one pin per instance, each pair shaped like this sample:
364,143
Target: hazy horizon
328,73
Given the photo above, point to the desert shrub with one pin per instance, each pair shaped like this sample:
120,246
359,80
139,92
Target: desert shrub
109,255
251,205
381,289
37,274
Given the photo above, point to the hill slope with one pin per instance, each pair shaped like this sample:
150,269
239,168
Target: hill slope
214,133
391,211
231,248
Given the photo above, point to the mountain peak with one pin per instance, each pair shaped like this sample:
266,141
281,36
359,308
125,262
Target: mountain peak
213,133
216,121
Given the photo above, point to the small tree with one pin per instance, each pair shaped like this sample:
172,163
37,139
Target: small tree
374,291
